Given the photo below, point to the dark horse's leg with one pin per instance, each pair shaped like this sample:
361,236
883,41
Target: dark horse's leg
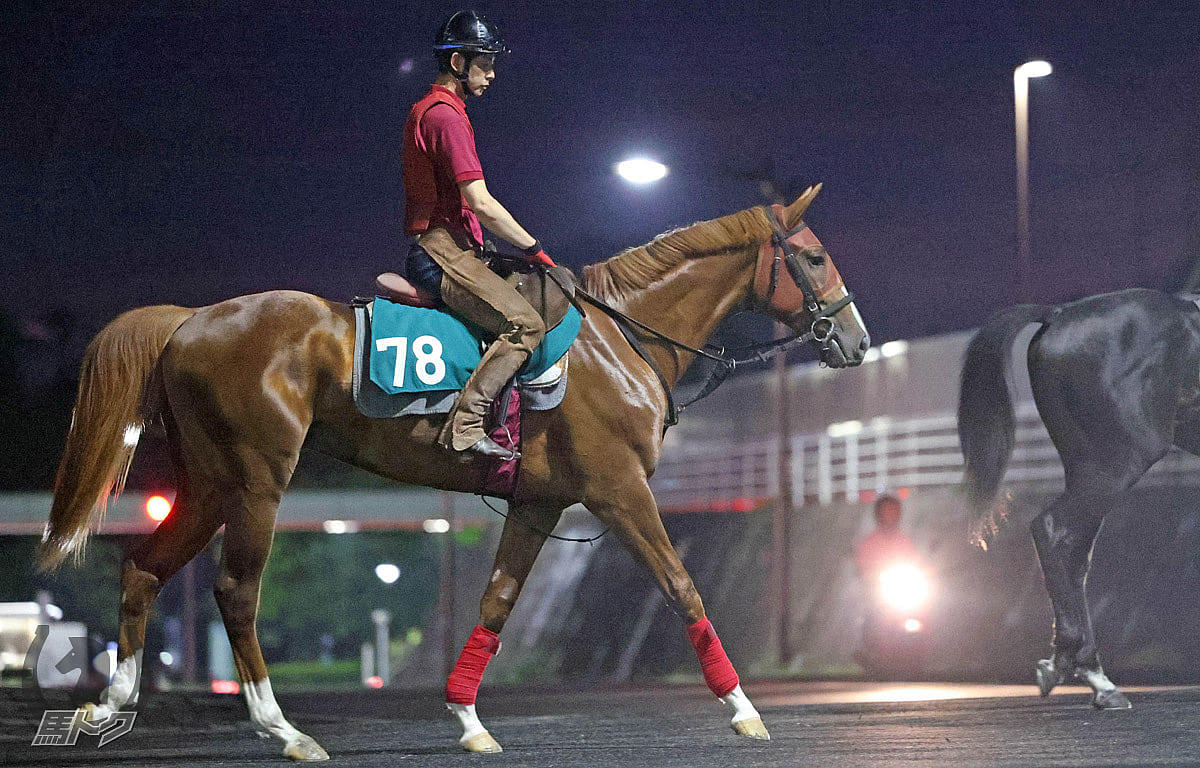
632,513
1107,394
520,543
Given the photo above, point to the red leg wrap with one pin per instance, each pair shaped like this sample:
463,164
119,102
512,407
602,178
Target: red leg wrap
718,671
463,683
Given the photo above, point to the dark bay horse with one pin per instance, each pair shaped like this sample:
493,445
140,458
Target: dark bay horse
1116,379
240,385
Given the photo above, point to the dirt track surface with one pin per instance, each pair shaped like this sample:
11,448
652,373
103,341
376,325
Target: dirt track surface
817,724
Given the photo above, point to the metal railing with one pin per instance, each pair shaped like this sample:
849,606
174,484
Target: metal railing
850,458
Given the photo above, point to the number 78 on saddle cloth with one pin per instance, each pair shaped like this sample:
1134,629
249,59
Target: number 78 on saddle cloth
415,349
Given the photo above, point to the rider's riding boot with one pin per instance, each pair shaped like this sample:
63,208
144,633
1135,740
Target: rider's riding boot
474,292
464,429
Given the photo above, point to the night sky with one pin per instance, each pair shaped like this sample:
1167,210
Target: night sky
184,152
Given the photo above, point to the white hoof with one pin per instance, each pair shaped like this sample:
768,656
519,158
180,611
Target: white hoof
304,748
481,742
96,713
752,728
746,720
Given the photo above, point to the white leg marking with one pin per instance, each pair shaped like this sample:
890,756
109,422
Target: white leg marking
122,691
742,708
1097,680
468,720
265,712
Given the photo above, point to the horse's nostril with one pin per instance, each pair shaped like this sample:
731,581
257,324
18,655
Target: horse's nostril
865,344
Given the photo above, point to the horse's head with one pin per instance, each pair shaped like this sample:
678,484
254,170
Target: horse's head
796,282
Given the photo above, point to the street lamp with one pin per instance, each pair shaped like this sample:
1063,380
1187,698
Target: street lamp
641,170
1021,77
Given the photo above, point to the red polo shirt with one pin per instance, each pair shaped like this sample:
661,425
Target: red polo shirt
439,153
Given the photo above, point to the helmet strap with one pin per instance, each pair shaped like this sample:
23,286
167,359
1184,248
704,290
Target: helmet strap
461,76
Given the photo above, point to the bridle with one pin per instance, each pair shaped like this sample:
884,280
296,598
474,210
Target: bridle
786,249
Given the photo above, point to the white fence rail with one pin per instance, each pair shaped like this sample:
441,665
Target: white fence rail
850,458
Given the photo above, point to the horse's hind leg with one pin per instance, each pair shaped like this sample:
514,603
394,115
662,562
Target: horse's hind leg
177,540
633,515
520,544
245,547
1064,535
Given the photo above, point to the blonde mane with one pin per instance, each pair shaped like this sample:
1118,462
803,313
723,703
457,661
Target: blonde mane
637,268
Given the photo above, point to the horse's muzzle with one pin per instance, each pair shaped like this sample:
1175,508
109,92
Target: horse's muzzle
834,356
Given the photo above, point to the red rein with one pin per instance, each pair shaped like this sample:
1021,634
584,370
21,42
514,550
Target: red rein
463,683
718,671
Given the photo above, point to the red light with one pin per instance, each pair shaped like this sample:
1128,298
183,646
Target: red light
225,686
157,508
374,681
902,493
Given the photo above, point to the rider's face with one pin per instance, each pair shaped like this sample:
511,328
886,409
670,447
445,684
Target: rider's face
480,74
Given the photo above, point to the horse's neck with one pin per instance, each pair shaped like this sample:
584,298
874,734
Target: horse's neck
687,304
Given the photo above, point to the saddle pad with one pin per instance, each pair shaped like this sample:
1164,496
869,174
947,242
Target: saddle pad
374,403
419,350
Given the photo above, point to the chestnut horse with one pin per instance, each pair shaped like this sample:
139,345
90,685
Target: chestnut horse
240,385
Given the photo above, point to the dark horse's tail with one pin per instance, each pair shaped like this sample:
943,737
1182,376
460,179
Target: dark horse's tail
985,412
115,400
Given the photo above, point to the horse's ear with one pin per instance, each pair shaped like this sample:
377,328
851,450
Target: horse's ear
795,212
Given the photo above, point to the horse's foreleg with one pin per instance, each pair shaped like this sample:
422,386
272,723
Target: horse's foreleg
633,515
1064,535
245,548
520,543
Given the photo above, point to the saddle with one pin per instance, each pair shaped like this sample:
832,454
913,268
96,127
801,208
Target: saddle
550,292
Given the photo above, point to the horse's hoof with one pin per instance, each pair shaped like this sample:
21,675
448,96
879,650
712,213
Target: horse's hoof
1113,699
305,749
482,742
752,727
1047,676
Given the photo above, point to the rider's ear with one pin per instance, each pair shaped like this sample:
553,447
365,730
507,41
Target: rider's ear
458,63
795,212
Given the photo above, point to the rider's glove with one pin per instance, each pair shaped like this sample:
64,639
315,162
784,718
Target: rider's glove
535,255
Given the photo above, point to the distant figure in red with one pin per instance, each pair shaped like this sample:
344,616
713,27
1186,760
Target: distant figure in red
886,544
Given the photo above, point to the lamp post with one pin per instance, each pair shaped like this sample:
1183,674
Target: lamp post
641,171
1021,77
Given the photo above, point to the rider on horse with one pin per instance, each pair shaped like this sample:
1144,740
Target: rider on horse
445,201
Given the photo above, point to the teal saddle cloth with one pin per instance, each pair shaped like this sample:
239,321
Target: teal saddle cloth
417,350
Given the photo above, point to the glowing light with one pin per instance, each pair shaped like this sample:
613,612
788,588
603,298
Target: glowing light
893,348
157,508
166,658
872,355
903,587
436,525
641,170
132,434
844,428
912,625
374,681
340,526
226,686
387,572
1034,69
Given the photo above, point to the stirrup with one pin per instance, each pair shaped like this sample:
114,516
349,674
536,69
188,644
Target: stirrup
486,446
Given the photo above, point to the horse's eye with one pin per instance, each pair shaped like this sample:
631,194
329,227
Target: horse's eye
816,260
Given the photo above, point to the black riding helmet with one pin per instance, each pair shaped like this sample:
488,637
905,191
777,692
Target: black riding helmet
468,33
